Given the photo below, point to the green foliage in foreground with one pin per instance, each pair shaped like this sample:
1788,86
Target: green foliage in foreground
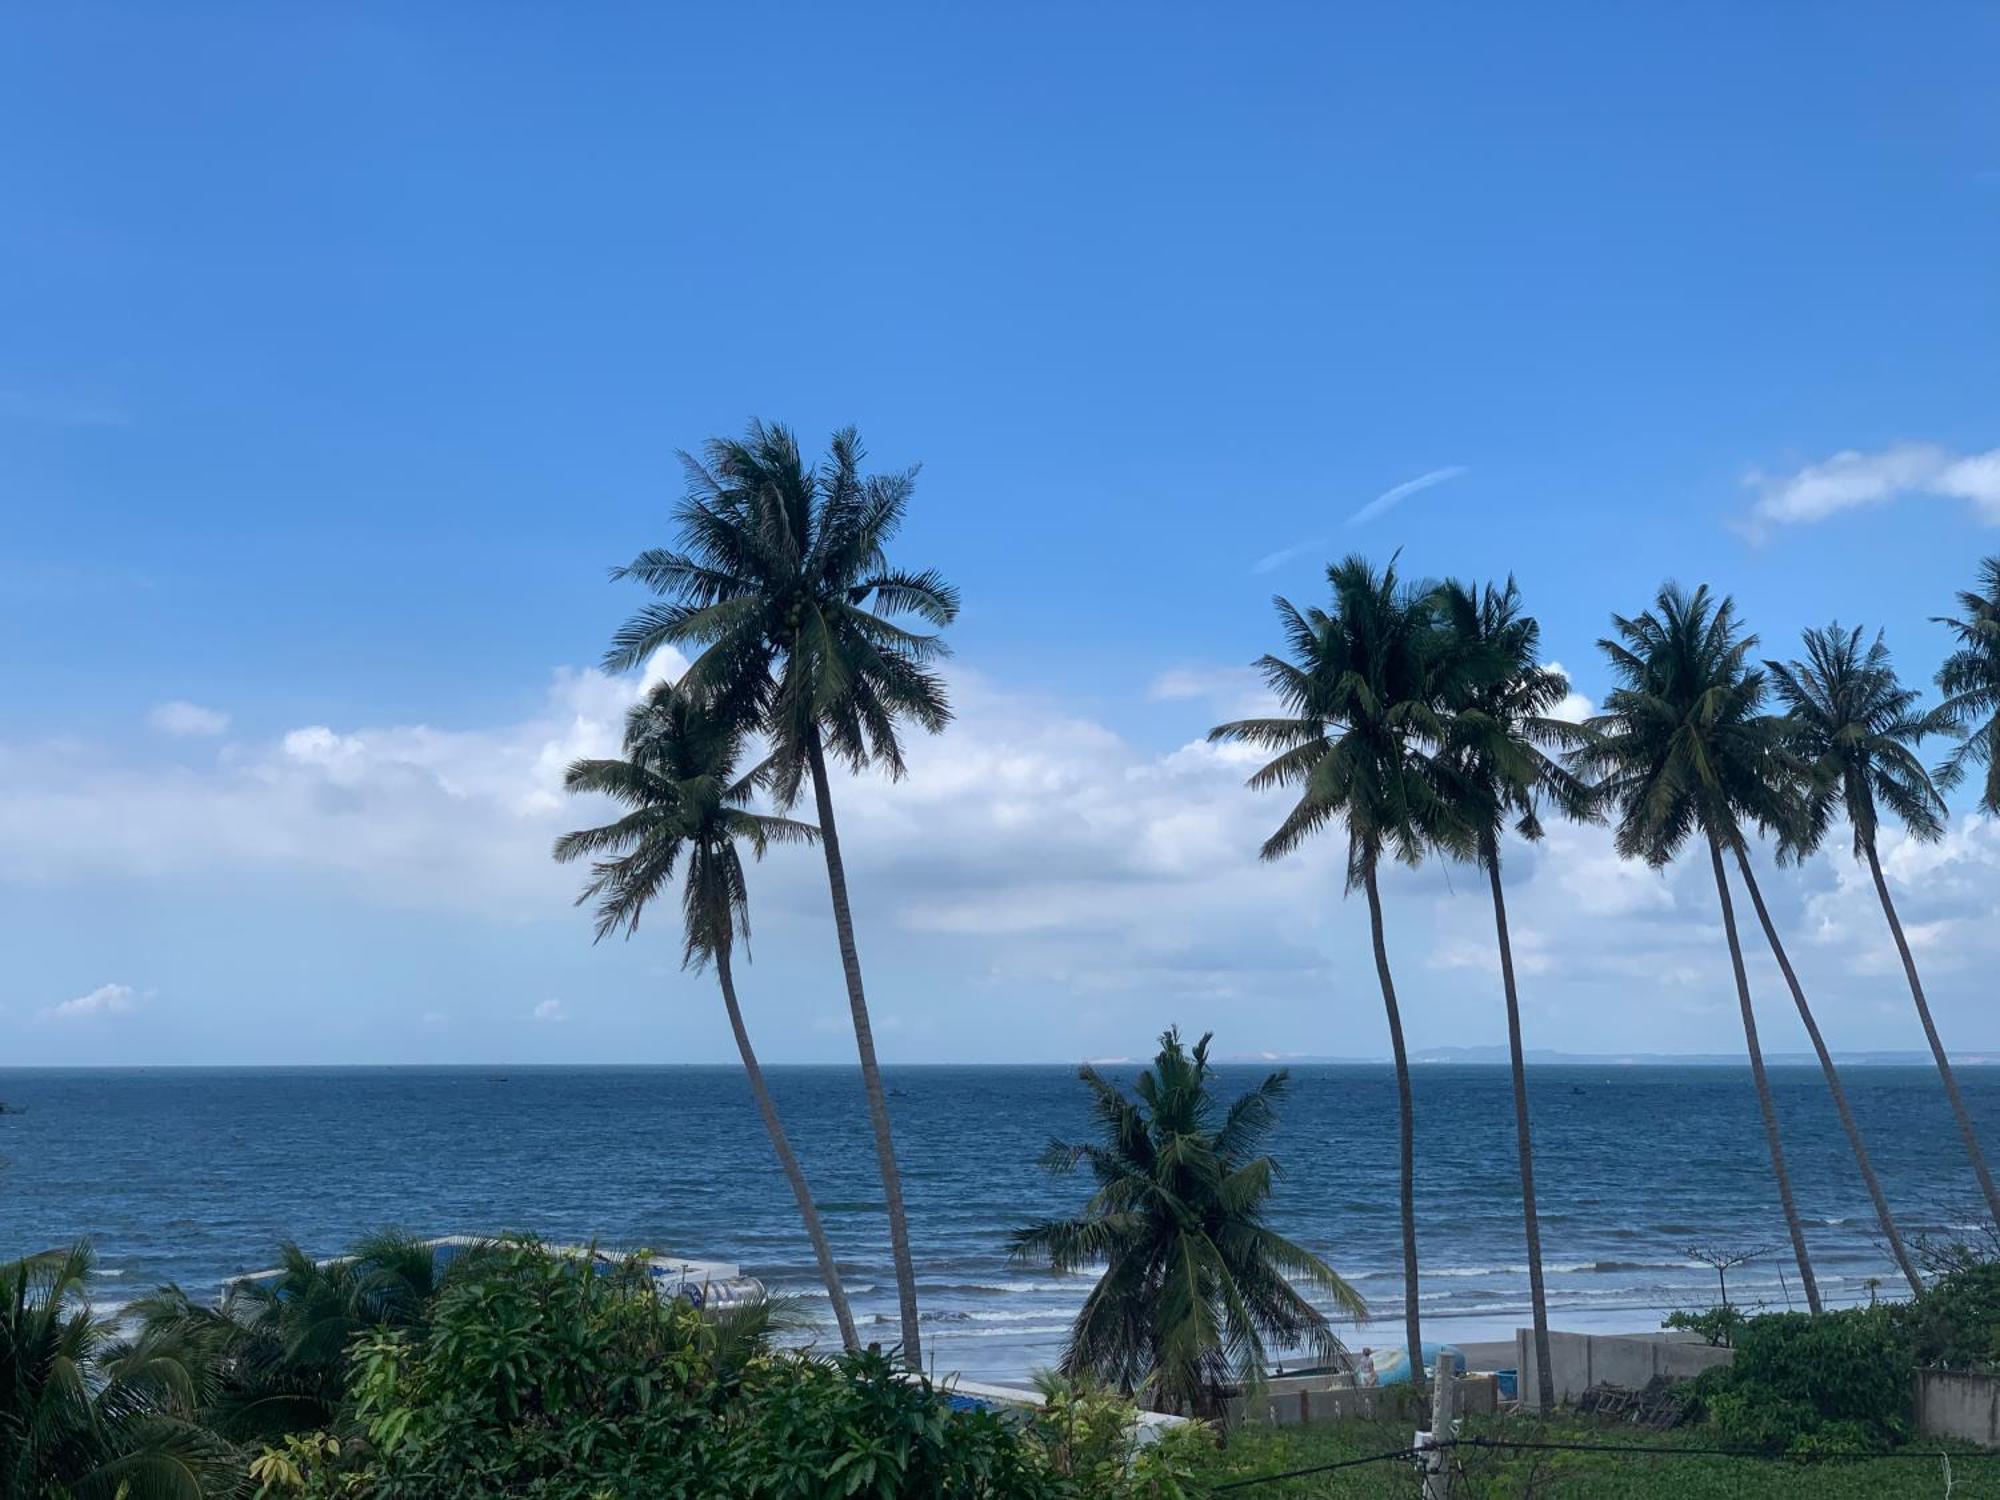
542,1377
1494,1474
84,1415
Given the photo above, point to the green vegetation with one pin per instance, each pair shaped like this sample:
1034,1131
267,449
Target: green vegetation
782,579
519,1372
85,1415
1502,1474
1195,1284
688,807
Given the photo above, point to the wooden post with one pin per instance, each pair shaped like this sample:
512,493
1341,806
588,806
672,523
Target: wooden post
1437,1477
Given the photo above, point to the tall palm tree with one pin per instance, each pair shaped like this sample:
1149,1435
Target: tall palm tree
1970,682
1502,730
1196,1286
1681,750
783,582
1360,739
1858,727
83,1417
688,810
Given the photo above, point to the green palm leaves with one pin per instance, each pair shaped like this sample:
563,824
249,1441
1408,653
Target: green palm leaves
1362,691
85,1416
1196,1287
1970,682
783,588
1854,729
687,809
1683,745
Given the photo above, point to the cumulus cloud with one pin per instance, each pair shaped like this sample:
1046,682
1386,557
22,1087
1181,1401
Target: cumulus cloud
550,1012
105,1000
188,720
1852,478
1034,865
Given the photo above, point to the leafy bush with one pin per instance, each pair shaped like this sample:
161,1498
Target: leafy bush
1717,1326
1839,1381
548,1378
1957,1319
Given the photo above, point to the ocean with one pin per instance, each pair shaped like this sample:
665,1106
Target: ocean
192,1175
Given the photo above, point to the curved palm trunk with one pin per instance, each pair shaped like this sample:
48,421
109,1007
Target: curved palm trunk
1875,1194
1958,1109
864,1044
1764,1100
794,1174
1405,1134
1545,1383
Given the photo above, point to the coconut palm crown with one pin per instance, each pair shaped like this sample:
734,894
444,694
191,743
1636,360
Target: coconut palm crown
1683,745
1363,727
686,802
1855,727
1504,737
1195,1287
783,586
1970,682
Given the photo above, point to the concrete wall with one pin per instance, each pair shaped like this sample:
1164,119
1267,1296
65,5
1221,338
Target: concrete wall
1287,1401
1951,1404
1579,1361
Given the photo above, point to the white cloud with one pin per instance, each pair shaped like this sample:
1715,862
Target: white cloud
1851,479
105,1000
1575,707
1035,865
1383,503
186,719
551,1012
1394,496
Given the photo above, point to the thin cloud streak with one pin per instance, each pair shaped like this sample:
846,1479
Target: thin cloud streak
1387,501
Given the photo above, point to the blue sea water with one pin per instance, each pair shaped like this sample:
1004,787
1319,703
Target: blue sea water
193,1175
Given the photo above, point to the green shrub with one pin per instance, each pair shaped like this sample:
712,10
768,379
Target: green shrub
1957,1320
1838,1381
546,1378
1717,1326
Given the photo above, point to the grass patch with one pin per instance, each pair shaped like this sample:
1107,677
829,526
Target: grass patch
1497,1475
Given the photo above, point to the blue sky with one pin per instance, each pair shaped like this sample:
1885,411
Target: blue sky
344,349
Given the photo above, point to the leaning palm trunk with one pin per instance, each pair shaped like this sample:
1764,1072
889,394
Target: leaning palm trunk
1882,1214
1545,1384
1764,1100
1405,1134
1958,1109
864,1042
829,1272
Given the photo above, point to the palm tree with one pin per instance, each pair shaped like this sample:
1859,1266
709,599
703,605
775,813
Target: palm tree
83,1417
1682,749
1359,739
1858,727
1970,682
1196,1287
785,585
687,804
1502,730
273,1358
